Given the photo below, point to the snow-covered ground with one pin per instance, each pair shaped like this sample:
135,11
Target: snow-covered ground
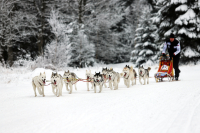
167,107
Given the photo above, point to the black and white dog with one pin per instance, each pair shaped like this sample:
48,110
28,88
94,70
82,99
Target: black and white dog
144,74
98,81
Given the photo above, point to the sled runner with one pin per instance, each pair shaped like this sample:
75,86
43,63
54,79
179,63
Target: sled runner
165,69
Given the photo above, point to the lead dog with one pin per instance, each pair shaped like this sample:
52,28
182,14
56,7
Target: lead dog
39,82
56,83
89,77
144,74
114,78
70,79
98,81
129,74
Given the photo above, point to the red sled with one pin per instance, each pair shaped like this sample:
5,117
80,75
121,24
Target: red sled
165,69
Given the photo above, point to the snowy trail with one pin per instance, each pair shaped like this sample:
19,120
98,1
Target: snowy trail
167,107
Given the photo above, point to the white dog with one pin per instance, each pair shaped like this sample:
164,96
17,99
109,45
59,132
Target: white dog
70,79
129,74
39,82
144,74
114,78
56,83
89,77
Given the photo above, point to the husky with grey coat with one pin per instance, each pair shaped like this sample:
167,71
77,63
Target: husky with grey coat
144,74
114,78
98,81
70,80
105,76
129,74
89,77
56,84
39,82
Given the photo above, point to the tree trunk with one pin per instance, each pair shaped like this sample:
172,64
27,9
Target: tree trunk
80,11
10,56
41,30
40,44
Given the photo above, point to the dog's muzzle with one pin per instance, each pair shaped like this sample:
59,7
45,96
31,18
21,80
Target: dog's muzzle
124,74
67,79
54,82
44,81
109,77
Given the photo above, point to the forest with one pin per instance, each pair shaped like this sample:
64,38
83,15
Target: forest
80,33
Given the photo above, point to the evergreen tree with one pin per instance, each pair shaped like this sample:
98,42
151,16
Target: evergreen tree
183,19
145,50
82,51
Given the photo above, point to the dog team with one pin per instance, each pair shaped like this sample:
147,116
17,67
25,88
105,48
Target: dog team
98,79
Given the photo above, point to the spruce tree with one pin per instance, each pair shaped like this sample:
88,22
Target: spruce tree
145,50
183,19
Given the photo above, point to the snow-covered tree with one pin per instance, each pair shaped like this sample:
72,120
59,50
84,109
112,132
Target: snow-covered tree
181,17
145,50
82,51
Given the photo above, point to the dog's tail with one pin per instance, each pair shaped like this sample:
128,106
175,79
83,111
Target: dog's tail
131,68
33,84
135,73
121,75
149,68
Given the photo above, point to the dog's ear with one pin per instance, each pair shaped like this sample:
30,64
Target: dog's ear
86,71
51,74
44,72
40,74
68,71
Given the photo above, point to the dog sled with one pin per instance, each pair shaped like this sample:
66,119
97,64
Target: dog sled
165,69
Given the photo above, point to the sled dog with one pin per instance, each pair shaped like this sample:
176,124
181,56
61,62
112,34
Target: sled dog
105,76
114,78
39,82
56,83
129,74
98,81
144,74
89,77
70,79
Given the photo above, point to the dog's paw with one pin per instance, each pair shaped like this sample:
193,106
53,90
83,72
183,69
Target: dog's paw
35,95
43,95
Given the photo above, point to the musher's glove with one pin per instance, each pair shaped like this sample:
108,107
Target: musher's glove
163,54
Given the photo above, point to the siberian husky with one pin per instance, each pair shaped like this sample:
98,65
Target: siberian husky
105,76
98,81
114,78
129,74
70,79
56,83
89,77
144,74
39,82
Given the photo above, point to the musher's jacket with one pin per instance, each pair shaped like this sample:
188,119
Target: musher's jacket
174,47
